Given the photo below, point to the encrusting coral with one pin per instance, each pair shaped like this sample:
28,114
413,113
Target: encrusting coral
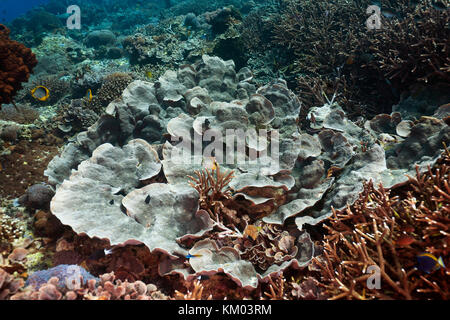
17,62
112,88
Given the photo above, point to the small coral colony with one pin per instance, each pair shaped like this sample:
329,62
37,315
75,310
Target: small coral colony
225,149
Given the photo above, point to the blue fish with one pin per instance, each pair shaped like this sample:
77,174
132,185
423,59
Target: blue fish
189,256
428,263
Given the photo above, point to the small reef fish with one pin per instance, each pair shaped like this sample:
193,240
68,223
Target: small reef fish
189,256
88,95
428,263
252,231
350,60
404,241
147,200
40,93
149,75
210,163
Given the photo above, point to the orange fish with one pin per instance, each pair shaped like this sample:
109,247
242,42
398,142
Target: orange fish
350,60
404,241
252,231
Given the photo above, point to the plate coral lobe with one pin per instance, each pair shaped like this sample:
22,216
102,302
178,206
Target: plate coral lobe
226,150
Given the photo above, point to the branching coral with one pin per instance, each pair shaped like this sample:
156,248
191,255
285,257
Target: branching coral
195,294
387,232
16,64
211,184
415,48
277,288
318,34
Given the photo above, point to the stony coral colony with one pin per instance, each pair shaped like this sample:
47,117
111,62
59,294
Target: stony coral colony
358,207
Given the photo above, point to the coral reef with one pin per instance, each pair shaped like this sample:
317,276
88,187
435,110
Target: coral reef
77,287
226,149
8,285
387,231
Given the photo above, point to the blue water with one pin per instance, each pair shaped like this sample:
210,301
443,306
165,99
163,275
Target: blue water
11,9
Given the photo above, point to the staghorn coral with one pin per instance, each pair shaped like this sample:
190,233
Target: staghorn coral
195,294
17,62
211,184
277,288
388,231
317,33
415,48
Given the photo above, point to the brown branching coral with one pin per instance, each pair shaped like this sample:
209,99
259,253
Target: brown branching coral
195,294
415,48
328,43
212,184
383,234
277,288
319,33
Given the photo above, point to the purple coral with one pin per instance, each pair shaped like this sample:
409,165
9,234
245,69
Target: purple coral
69,276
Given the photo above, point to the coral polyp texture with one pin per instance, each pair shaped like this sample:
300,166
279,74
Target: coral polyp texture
16,64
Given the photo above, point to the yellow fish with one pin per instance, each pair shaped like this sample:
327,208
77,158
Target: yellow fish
149,74
40,93
210,163
89,95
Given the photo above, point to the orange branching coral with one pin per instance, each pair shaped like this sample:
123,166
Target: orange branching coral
195,294
212,184
16,64
383,234
277,288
